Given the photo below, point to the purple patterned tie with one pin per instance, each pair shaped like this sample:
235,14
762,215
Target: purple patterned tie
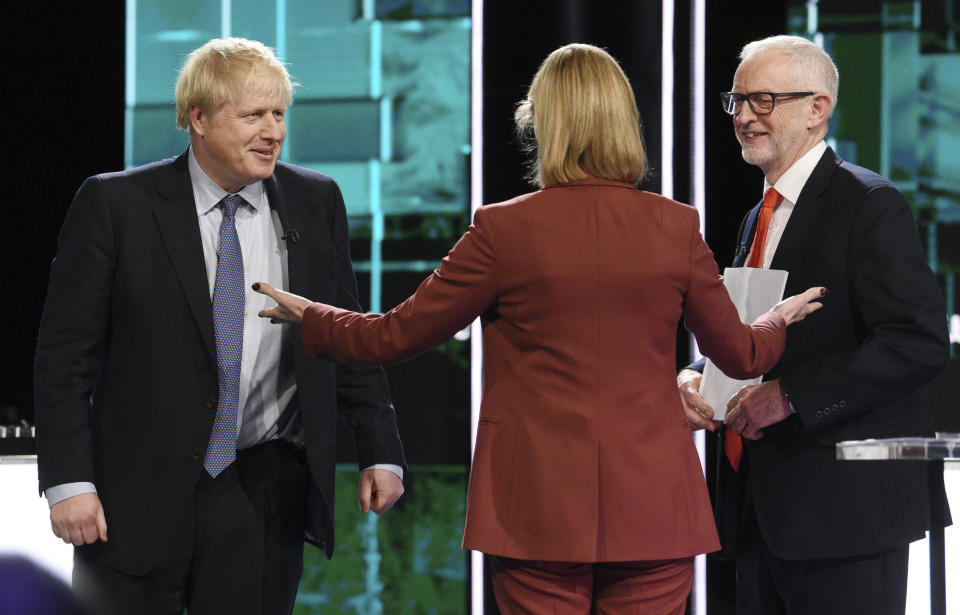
228,305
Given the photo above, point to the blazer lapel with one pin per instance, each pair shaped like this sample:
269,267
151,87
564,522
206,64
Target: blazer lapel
746,238
176,216
296,244
805,211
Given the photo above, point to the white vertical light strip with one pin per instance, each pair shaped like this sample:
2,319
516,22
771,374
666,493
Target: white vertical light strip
666,101
386,129
225,14
376,204
376,236
698,192
130,85
476,200
698,122
698,195
281,16
376,59
476,583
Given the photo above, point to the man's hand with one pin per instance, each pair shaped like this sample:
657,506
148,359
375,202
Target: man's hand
79,520
755,407
695,407
379,490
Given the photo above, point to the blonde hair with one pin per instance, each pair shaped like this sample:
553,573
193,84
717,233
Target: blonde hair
213,75
813,68
584,119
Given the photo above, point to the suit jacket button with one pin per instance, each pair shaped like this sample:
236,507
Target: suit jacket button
835,408
197,455
212,402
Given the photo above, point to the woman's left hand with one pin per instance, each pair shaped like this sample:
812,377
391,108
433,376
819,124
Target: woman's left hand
289,308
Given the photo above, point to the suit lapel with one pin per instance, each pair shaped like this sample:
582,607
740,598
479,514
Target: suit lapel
805,211
746,238
296,244
176,216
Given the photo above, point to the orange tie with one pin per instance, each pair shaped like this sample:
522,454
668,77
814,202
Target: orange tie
732,442
770,199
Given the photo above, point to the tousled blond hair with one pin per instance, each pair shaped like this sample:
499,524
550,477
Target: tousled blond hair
216,72
584,119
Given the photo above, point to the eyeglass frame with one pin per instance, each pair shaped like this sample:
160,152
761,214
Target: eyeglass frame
734,97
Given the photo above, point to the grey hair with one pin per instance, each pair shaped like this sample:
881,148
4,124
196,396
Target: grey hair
814,67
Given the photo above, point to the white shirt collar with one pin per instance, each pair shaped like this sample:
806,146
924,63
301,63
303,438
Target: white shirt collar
206,192
792,181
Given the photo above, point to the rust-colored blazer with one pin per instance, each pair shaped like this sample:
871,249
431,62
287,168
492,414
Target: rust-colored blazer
583,452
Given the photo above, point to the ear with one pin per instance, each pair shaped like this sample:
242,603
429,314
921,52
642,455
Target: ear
199,121
819,110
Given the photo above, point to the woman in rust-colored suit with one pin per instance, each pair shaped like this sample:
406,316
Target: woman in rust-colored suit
585,489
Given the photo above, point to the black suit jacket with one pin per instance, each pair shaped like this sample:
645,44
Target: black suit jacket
856,369
125,376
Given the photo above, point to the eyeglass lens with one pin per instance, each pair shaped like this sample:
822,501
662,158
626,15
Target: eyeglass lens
760,102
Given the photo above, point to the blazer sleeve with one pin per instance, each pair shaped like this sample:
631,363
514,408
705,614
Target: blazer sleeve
898,306
72,336
743,239
740,351
364,402
460,290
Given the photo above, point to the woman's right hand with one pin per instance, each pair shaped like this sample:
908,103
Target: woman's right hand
796,308
289,308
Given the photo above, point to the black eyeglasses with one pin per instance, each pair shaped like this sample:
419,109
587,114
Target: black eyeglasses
760,102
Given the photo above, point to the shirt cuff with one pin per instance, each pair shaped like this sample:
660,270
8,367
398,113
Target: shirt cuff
387,466
59,493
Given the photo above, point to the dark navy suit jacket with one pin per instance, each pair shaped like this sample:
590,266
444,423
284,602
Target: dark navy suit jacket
855,369
126,372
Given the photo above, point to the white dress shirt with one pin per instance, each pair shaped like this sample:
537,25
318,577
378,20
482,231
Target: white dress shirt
788,187
267,383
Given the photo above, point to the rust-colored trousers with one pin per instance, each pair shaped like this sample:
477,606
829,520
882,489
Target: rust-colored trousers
526,587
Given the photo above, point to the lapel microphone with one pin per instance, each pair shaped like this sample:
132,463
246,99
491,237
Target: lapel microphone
291,235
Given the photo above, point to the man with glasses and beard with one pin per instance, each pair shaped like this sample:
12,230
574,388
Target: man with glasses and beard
813,534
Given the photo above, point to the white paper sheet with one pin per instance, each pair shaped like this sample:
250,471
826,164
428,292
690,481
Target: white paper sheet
754,291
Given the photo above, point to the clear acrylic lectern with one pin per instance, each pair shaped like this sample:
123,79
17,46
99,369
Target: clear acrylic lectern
933,451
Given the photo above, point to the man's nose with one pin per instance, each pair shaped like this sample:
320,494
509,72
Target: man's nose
271,128
745,114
